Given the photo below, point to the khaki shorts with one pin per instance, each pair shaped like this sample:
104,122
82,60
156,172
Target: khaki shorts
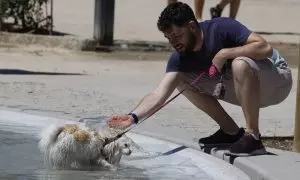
275,81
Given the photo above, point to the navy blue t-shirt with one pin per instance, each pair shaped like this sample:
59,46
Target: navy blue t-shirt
218,33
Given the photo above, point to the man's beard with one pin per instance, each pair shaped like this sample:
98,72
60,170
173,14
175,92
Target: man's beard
191,43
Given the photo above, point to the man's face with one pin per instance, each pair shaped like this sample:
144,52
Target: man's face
181,38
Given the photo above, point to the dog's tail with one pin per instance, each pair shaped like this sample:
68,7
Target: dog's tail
48,137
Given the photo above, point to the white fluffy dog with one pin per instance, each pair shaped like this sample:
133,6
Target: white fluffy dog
75,146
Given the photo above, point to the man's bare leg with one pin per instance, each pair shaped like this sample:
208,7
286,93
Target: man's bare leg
199,8
211,107
198,4
234,8
216,11
224,3
247,91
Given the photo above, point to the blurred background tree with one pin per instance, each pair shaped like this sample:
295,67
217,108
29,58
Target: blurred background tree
23,15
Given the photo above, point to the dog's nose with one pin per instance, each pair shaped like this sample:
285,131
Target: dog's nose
129,152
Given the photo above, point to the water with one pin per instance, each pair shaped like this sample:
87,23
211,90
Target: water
20,157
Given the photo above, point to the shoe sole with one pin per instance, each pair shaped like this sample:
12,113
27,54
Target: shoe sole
214,145
253,153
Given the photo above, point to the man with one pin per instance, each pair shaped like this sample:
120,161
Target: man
254,74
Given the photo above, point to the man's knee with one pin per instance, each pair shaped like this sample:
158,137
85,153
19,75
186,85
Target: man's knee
241,69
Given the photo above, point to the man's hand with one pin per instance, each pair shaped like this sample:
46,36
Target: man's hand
220,59
120,122
213,71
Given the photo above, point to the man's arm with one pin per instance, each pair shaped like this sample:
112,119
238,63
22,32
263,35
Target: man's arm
156,98
255,48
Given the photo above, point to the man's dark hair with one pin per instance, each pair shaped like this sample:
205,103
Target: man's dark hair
178,14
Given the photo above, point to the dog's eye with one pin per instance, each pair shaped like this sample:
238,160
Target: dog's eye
126,145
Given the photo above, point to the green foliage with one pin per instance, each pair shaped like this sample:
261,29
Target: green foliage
25,13
3,7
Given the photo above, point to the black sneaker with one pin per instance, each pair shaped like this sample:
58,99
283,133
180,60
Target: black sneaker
220,139
247,146
215,12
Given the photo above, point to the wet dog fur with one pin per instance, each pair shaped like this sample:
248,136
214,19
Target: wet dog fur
75,146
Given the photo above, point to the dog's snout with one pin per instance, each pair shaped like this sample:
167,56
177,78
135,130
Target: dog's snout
129,152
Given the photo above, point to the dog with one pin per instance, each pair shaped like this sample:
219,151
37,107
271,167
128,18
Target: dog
75,146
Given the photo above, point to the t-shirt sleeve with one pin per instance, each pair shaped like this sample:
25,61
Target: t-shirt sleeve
173,63
234,31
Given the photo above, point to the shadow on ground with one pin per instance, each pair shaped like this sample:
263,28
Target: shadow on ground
25,72
46,32
39,31
278,33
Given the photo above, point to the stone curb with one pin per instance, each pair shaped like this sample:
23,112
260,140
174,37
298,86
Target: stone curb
80,44
284,163
76,43
67,42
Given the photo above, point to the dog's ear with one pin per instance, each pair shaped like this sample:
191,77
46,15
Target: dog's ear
59,131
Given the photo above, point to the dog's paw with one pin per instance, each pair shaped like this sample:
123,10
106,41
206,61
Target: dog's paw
105,165
113,168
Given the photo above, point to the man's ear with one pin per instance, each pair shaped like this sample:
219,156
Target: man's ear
193,26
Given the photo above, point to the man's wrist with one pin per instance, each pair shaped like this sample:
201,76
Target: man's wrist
134,116
225,54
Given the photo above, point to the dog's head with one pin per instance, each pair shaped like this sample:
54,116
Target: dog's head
126,149
125,145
